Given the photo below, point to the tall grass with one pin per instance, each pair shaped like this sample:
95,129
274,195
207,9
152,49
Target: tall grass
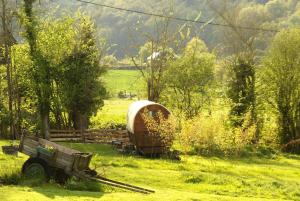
212,135
112,115
9,172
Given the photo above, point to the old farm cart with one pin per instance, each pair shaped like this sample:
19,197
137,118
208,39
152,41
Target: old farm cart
60,162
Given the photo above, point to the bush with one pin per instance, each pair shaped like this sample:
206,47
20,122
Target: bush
108,121
269,133
210,135
161,126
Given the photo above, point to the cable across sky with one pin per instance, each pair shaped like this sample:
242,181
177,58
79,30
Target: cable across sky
173,17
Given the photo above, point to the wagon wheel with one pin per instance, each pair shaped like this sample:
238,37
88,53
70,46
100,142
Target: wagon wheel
37,170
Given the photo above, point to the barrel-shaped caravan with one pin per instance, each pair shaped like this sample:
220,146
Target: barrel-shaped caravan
145,143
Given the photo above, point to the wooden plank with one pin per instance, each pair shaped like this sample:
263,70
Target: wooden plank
64,139
57,146
28,153
96,135
65,156
64,134
29,150
54,130
63,163
30,142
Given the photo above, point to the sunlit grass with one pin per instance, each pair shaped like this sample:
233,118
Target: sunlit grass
130,81
192,178
113,113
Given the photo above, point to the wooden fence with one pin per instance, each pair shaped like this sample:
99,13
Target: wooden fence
90,136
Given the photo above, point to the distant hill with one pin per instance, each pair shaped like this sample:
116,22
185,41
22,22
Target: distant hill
120,27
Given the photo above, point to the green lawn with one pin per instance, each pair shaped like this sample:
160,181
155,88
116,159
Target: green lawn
114,111
124,80
193,178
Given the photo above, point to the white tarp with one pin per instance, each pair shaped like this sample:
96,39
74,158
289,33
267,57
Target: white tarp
133,110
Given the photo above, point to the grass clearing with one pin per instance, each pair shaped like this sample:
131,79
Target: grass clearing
193,178
112,113
125,80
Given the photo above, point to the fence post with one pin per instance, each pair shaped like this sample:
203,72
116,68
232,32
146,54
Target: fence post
82,135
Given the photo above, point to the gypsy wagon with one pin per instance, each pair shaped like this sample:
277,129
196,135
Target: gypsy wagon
145,143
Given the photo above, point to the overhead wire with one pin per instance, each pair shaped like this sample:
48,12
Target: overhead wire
174,17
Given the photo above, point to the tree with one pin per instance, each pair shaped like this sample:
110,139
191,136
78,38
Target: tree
242,50
110,61
277,8
25,100
83,90
281,77
153,63
56,39
40,68
66,47
153,57
6,41
241,89
189,77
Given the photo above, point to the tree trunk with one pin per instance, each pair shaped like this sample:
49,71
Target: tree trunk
8,73
45,126
80,121
18,115
153,91
43,72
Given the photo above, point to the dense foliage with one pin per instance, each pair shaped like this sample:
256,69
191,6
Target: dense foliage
55,72
189,78
282,78
272,13
243,77
82,90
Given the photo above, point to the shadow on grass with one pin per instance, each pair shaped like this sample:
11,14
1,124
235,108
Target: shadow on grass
52,191
291,156
251,155
12,177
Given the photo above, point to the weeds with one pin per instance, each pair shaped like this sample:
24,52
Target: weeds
192,178
81,185
209,135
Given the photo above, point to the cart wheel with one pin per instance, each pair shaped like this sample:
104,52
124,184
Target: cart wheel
61,177
36,170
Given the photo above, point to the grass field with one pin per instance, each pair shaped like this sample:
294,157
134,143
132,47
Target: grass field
193,178
114,112
124,80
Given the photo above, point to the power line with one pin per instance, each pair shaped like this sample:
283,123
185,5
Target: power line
174,18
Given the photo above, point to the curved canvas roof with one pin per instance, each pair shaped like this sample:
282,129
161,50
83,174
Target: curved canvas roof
133,110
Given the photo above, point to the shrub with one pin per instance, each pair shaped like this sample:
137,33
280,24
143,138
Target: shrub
210,135
161,126
269,133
